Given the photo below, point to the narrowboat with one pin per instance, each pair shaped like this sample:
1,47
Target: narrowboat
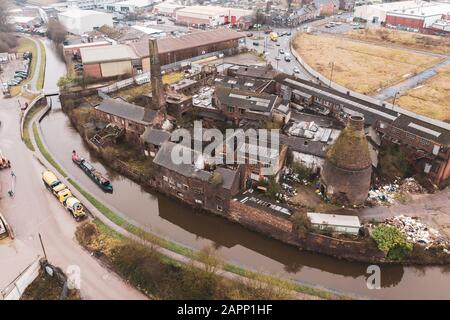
95,176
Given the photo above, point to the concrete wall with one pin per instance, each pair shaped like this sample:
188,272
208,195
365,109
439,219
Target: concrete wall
117,68
16,288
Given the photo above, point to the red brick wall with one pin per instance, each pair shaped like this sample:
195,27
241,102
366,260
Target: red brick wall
403,21
92,70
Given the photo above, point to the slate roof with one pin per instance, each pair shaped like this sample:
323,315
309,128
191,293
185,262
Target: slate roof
260,102
254,71
155,136
164,159
120,108
422,126
228,177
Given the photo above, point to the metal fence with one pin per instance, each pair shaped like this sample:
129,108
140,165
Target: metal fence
17,287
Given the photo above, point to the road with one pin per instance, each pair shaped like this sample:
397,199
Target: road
33,210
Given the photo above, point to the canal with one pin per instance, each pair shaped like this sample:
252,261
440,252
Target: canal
235,244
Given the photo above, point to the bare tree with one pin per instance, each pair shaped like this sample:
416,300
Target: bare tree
56,31
4,15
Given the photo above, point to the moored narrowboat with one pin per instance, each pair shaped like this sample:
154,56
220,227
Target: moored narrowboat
89,169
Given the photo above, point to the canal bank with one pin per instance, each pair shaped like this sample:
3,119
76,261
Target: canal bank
234,244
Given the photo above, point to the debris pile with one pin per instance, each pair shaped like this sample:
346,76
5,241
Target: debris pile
417,232
384,194
410,185
388,193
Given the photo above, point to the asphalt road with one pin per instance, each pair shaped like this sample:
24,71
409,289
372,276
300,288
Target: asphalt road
33,210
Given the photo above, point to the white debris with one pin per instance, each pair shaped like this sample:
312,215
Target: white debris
416,231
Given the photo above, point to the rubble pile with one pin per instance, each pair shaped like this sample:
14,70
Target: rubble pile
417,232
384,194
410,185
388,193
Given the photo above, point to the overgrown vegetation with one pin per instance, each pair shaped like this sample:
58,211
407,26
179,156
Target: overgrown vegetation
392,242
163,278
392,163
301,223
26,133
45,287
56,31
44,151
7,40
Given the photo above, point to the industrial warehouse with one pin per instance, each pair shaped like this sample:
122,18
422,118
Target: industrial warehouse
419,16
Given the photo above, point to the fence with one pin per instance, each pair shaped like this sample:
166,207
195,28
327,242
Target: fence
17,287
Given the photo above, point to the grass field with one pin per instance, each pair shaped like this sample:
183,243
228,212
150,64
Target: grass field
431,98
403,38
359,66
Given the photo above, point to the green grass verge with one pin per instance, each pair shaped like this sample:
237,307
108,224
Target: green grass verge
45,153
111,215
26,133
41,75
118,220
285,284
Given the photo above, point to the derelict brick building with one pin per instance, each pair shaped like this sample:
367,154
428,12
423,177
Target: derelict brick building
347,168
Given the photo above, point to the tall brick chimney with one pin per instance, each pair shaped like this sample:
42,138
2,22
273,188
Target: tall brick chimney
158,96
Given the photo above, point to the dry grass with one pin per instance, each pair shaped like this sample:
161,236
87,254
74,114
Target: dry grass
132,92
431,98
403,38
358,66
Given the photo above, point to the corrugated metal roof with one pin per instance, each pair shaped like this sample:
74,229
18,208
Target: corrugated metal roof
107,54
191,40
334,219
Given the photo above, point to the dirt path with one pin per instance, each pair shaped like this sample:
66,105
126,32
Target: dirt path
433,209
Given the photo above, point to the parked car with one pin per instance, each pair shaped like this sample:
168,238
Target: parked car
249,34
256,43
296,70
13,83
281,51
277,44
287,58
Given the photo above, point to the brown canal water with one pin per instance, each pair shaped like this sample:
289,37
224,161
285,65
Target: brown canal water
235,244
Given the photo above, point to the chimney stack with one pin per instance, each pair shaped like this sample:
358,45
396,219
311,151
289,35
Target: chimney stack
158,96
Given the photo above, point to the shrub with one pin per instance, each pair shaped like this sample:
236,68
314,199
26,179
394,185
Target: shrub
216,179
301,222
392,242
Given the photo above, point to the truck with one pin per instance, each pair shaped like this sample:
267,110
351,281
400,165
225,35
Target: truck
64,195
273,36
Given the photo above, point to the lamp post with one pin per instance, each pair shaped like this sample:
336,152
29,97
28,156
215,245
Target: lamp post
331,74
395,97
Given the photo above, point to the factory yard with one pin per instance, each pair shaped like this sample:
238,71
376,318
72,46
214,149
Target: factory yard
406,39
354,61
431,98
